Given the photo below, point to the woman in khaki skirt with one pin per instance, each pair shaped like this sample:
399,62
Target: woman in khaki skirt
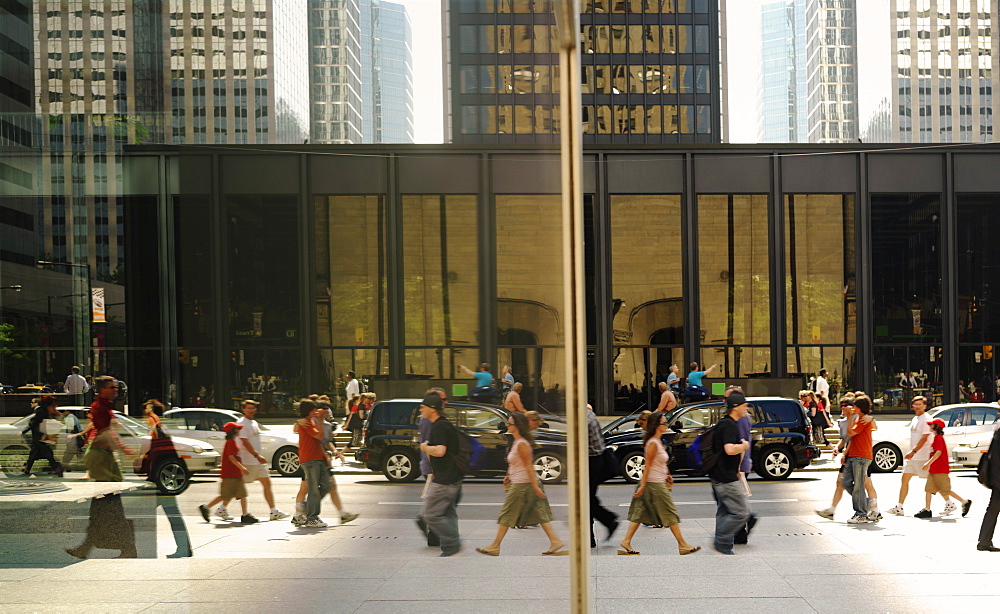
651,503
526,503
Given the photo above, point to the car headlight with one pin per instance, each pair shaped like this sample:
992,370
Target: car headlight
972,444
197,449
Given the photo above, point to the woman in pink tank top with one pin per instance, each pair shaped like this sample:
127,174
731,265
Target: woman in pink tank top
525,503
652,503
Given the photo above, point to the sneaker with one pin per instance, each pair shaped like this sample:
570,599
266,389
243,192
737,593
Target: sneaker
874,517
223,513
347,517
278,515
949,507
858,519
827,513
298,520
896,511
248,519
204,512
924,513
315,524
965,507
872,505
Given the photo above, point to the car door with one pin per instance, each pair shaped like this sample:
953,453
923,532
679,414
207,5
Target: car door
205,426
955,420
489,428
982,419
687,424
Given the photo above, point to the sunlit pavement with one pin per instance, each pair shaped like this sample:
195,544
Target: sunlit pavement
795,561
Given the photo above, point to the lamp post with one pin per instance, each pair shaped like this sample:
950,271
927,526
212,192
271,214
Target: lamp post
81,332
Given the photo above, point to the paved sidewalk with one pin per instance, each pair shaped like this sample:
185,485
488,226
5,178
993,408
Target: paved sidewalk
793,564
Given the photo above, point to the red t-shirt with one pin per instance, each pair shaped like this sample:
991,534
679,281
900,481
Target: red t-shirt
101,412
310,448
229,454
861,441
942,464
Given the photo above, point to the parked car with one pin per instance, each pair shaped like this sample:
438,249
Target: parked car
170,470
968,451
781,434
280,448
391,447
964,422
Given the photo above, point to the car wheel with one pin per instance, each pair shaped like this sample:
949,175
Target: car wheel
12,459
886,458
549,467
286,462
399,466
775,463
633,465
171,477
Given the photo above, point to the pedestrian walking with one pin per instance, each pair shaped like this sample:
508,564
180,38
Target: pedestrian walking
74,443
989,525
732,511
484,390
525,503
424,434
667,399
817,418
847,410
919,453
651,502
312,460
674,380
440,512
506,380
353,387
745,426
40,449
353,423
597,474
100,458
858,458
76,386
251,458
321,419
231,485
512,402
820,385
938,478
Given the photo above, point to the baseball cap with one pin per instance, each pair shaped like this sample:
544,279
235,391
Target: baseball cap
230,426
433,401
937,421
735,399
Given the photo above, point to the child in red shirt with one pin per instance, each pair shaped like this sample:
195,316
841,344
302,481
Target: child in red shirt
232,478
938,480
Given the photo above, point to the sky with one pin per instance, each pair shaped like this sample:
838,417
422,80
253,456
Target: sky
743,46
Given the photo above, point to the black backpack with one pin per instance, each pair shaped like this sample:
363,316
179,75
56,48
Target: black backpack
983,471
701,453
470,454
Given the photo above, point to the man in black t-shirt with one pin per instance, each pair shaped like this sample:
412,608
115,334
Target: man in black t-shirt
439,515
732,511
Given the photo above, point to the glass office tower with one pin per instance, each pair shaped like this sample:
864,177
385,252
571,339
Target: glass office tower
782,99
943,70
832,70
650,71
386,73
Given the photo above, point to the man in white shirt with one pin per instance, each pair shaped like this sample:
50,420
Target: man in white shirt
76,386
920,450
353,387
821,386
251,458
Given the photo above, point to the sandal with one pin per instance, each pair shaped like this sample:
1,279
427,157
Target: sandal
690,550
626,551
488,552
555,553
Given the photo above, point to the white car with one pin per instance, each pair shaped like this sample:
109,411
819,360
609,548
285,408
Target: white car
962,421
975,442
279,447
169,469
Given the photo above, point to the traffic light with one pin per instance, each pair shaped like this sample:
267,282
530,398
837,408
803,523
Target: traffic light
987,352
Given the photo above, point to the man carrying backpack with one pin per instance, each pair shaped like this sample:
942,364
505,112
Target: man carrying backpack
440,515
992,481
732,511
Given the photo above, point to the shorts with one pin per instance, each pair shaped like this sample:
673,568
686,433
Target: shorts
233,488
938,483
257,471
916,467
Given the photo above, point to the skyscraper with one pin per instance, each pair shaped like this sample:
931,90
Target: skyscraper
650,71
943,70
360,72
808,89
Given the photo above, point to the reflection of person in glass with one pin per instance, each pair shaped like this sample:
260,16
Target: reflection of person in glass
484,390
39,448
107,528
100,457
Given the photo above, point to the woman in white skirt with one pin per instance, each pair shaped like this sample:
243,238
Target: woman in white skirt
651,503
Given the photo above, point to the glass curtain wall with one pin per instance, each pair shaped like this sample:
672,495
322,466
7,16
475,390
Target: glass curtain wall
734,284
906,295
978,309
647,296
820,287
196,306
441,285
350,289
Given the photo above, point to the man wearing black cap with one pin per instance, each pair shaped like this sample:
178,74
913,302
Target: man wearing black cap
732,511
439,515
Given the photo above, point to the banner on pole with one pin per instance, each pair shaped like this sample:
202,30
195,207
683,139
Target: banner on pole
97,305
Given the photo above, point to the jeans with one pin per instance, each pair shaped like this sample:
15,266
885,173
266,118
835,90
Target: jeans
441,516
731,512
318,481
855,470
990,519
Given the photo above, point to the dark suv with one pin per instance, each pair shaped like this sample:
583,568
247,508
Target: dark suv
781,435
390,440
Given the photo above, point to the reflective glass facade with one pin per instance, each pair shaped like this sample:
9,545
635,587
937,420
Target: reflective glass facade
649,71
782,113
832,69
943,70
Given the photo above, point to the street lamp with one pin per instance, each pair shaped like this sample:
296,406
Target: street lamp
81,343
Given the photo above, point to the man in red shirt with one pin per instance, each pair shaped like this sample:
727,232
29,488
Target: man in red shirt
858,457
312,459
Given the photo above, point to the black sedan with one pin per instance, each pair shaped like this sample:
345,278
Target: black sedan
391,447
780,434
